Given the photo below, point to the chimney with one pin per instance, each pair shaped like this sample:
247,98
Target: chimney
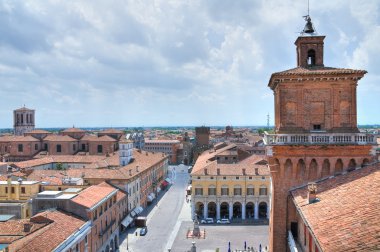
244,171
137,168
27,227
130,172
205,171
218,171
256,171
312,192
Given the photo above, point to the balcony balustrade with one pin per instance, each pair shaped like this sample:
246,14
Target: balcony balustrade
320,139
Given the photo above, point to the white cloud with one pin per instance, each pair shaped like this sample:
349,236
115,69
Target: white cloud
167,62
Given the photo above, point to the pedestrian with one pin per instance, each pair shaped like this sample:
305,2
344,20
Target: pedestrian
260,248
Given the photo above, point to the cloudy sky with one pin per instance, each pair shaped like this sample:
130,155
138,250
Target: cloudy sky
171,62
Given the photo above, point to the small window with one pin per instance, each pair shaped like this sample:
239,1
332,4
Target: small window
224,178
317,127
20,148
225,158
237,178
311,57
23,190
36,147
74,147
211,177
249,177
13,190
59,148
6,189
199,178
100,148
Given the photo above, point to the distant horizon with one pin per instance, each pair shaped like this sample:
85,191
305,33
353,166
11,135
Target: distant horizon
173,127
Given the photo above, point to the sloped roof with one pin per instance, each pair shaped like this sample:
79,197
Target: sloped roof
59,138
346,217
73,130
94,194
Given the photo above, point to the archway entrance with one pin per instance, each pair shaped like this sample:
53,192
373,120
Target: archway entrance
249,210
199,209
224,211
237,210
211,207
263,210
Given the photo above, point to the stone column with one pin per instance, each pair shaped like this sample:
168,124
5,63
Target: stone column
217,210
205,210
256,214
243,211
231,210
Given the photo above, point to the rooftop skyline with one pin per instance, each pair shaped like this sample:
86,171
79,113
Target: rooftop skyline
160,63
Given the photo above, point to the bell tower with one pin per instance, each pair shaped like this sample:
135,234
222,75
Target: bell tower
316,134
23,120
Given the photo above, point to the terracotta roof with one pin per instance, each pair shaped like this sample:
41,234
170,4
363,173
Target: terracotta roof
321,72
162,141
55,228
87,159
73,130
12,230
18,139
88,137
59,138
346,217
106,139
94,194
111,131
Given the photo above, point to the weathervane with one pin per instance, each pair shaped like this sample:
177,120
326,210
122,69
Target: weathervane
309,28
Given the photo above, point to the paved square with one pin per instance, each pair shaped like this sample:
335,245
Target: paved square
218,236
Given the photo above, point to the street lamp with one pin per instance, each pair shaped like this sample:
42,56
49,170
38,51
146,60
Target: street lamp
127,243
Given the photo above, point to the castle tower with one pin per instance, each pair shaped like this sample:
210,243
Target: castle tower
23,120
316,132
202,136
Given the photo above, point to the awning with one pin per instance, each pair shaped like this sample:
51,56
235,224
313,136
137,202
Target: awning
164,183
138,210
128,220
158,189
188,188
168,180
133,213
149,198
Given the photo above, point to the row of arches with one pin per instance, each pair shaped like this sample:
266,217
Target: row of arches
300,170
236,210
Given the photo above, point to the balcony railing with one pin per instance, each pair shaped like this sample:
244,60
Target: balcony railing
319,139
292,243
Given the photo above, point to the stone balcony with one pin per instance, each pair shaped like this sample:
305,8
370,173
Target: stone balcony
320,138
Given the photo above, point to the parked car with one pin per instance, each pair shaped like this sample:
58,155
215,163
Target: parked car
223,221
143,231
207,221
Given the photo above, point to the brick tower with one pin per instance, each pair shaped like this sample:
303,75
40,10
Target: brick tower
23,120
316,133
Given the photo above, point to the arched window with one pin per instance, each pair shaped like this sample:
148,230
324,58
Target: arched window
311,57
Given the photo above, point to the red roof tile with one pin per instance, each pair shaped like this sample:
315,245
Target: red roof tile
94,194
346,217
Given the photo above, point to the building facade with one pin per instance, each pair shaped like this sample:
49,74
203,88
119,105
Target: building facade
316,132
234,190
168,147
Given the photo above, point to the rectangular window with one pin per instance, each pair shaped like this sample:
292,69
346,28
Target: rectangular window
6,189
20,148
23,190
251,191
237,178
212,191
59,148
13,190
263,191
237,191
224,178
316,127
83,146
74,147
100,148
224,191
95,214
36,147
199,191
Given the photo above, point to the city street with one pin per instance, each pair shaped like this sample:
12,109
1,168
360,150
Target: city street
164,217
